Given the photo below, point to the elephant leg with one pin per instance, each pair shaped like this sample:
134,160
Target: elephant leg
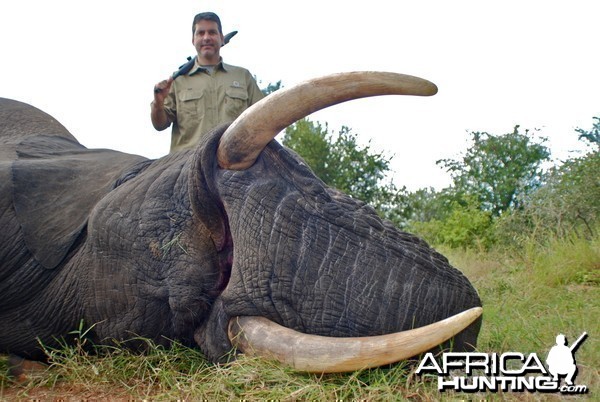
21,370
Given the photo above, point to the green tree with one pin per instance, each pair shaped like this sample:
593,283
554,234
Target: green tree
591,136
568,203
343,164
498,170
427,204
311,141
464,225
272,87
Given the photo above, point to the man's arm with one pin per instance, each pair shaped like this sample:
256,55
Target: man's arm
158,115
254,92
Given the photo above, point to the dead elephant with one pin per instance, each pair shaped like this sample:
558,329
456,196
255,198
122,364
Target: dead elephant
211,246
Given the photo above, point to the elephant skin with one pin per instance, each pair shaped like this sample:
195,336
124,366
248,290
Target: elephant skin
173,248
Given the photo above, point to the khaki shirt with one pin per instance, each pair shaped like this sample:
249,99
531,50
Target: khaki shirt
200,100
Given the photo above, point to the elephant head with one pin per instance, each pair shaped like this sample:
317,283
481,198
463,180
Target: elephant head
235,243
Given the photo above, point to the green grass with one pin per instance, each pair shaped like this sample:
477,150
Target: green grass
529,297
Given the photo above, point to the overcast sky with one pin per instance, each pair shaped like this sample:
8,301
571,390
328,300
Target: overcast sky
92,65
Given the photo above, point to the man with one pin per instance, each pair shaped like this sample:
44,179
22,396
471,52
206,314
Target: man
560,360
211,93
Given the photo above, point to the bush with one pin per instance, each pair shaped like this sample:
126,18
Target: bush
465,226
568,203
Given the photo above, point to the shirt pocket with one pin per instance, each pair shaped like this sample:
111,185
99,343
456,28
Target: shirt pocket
236,101
191,103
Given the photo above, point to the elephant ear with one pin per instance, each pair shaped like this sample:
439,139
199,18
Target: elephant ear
56,184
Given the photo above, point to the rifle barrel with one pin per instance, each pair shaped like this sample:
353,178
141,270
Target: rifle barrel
578,341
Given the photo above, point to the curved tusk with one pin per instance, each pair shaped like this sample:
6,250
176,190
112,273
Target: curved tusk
247,136
321,354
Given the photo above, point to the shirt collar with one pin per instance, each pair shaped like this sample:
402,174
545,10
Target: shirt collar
198,68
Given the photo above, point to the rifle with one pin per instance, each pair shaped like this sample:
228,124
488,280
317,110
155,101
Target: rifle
185,68
575,344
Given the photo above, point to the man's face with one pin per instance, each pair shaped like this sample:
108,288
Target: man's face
208,41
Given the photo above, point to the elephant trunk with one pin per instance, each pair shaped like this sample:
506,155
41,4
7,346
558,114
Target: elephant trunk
323,264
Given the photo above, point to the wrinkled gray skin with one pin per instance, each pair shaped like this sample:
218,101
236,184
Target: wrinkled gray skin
171,249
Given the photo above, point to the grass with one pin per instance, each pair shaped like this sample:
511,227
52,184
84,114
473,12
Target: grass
529,297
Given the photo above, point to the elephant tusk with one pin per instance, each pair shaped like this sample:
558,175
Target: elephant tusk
260,336
247,136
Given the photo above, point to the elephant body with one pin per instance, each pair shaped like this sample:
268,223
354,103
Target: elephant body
78,235
172,249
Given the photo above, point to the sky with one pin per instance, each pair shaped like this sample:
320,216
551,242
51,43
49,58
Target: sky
535,63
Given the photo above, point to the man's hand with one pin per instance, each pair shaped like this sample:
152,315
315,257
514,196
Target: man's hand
159,117
162,89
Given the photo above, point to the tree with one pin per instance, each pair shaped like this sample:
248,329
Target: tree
463,225
569,201
343,164
498,170
272,87
311,141
427,204
592,136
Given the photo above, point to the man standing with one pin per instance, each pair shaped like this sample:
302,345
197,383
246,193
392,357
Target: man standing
211,93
